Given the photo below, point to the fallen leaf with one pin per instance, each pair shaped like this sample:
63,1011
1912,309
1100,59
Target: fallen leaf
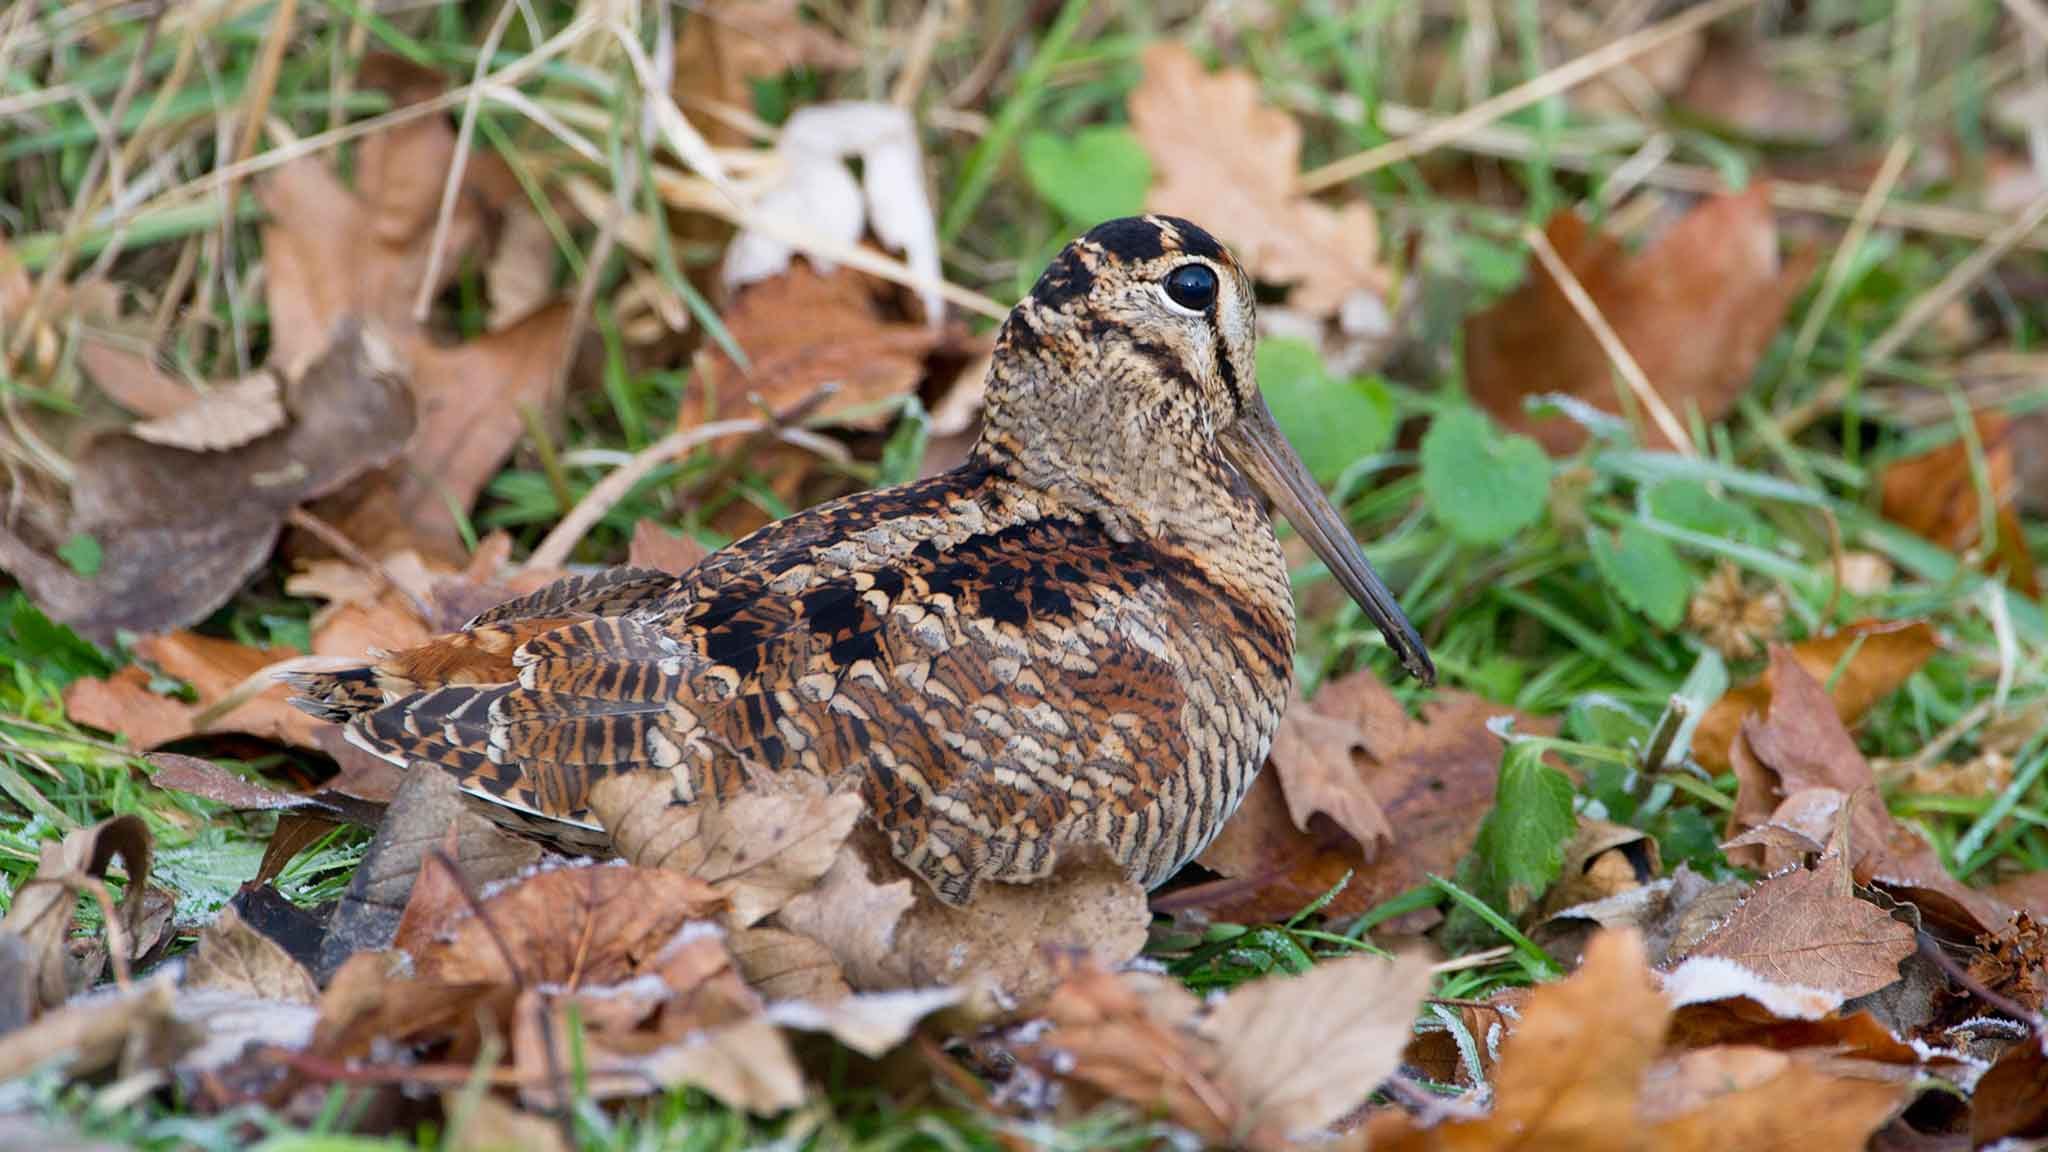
1602,860
1570,1072
1793,1107
199,777
1673,915
721,51
1299,1053
1935,495
519,278
757,849
1125,1035
870,1023
653,546
40,913
234,957
1222,156
1312,758
93,1034
1433,778
1806,927
853,917
801,330
124,705
1887,653
484,1123
2011,1098
747,1066
785,965
1802,744
218,512
1734,87
417,824
1696,309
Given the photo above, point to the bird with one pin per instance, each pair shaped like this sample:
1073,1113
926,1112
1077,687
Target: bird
1082,635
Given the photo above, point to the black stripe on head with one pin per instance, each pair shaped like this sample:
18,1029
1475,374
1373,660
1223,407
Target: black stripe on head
1067,278
1194,240
1130,239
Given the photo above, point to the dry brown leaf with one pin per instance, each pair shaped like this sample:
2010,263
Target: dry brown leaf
1127,1036
1735,88
1935,495
1803,745
195,776
1311,758
724,47
124,705
757,850
653,546
1696,309
747,1065
127,1031
1570,1072
1602,860
871,1023
2011,1098
519,279
217,512
226,416
1433,778
40,914
133,379
1222,156
572,927
803,330
785,965
1888,652
1806,927
1764,1101
853,917
233,957
1299,1053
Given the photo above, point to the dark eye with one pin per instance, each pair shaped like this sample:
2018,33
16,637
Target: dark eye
1192,286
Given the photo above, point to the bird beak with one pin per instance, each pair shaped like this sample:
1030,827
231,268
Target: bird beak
1255,445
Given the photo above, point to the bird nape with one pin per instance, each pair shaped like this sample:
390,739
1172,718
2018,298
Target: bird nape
1082,635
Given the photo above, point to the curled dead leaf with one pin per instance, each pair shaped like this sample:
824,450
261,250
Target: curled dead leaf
1887,653
41,912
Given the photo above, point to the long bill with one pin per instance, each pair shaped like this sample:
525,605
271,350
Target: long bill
1256,445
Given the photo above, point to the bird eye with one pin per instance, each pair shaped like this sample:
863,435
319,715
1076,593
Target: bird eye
1192,286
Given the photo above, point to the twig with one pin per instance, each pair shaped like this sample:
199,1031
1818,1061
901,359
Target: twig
1559,79
1845,253
1925,307
1932,949
451,188
1624,362
331,536
562,540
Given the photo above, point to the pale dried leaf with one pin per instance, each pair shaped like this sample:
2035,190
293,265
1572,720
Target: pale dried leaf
40,914
233,957
225,416
747,1066
853,917
785,965
870,1023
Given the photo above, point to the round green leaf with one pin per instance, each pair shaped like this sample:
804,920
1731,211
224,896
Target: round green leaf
1484,486
1096,174
1644,572
1331,422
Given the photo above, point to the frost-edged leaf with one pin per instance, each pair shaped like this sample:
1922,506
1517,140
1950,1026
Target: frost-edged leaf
1520,848
1484,486
1331,421
1096,174
1643,571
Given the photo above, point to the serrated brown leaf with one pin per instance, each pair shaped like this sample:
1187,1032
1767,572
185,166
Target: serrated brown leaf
1888,652
1696,309
757,849
233,957
1311,757
1223,157
785,965
1433,778
1806,927
1801,744
853,916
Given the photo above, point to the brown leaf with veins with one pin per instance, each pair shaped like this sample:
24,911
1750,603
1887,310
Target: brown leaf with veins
1696,309
1806,927
1801,744
757,849
235,957
1311,757
785,965
801,330
853,917
1934,495
41,911
1432,778
1888,652
1223,157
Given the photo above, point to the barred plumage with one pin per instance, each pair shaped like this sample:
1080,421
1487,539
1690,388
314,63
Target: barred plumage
1084,634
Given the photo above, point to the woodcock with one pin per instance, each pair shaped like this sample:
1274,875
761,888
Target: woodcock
1083,634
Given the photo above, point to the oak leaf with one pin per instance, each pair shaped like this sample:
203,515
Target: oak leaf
1223,157
1696,309
757,850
